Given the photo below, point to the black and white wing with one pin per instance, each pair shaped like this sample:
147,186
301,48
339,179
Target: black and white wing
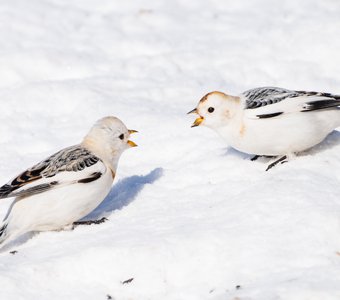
263,96
268,102
68,166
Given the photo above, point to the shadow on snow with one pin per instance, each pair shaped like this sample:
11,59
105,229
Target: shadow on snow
123,193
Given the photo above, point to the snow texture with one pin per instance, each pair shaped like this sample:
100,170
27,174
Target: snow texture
189,218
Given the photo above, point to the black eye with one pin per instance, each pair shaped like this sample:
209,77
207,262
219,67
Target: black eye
121,136
211,109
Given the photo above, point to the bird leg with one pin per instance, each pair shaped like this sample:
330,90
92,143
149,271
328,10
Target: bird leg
280,160
255,157
90,222
258,156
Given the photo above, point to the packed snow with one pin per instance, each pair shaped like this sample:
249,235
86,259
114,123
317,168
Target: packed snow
188,217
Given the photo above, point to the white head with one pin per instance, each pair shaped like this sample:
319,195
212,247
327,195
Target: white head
215,110
108,138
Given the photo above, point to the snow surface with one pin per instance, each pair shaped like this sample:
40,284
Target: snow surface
189,218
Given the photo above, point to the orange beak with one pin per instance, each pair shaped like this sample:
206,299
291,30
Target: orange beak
198,122
131,143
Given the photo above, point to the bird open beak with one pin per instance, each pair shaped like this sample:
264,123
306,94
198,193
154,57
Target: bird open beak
199,120
131,143
194,111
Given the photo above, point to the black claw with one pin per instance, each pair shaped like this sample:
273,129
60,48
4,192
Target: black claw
280,160
90,222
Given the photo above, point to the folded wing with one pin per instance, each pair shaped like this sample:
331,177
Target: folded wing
68,166
270,102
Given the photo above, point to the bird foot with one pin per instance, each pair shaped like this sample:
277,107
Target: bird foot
255,157
90,222
281,160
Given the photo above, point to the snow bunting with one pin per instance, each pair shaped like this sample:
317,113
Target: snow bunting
270,121
68,185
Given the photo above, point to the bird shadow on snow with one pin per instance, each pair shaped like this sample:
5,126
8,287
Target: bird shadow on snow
123,193
229,151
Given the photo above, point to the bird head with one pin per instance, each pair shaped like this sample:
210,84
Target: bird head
215,110
108,138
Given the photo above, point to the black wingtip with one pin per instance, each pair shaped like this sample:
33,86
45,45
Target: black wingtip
320,104
266,116
5,190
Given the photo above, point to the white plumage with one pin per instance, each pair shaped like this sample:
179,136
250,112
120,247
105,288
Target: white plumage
270,121
66,186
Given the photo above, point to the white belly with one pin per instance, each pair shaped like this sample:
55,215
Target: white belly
59,207
289,133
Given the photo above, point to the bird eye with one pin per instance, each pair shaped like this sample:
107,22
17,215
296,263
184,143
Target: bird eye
121,136
211,109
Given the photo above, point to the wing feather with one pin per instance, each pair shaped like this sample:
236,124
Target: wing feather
269,102
70,165
263,96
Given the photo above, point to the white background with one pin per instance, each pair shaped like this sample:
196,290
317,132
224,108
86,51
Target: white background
189,218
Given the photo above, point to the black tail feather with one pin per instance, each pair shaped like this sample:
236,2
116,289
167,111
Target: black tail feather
321,104
3,230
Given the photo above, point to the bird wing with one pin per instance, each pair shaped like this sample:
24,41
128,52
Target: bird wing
269,102
68,166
